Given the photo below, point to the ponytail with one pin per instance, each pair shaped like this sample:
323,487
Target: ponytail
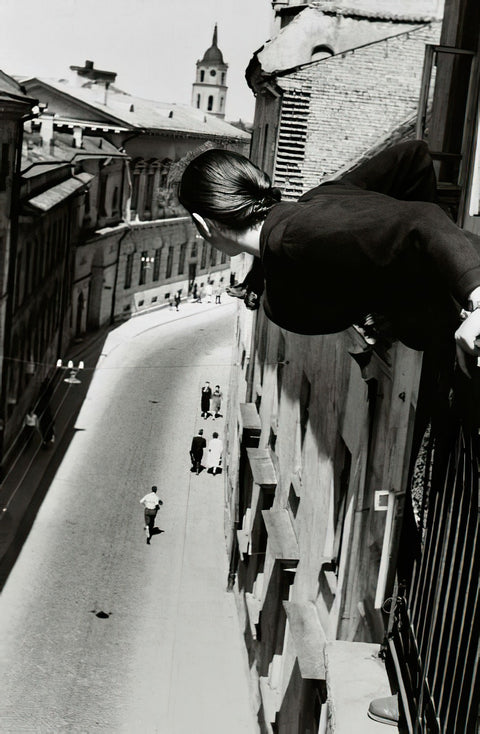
228,188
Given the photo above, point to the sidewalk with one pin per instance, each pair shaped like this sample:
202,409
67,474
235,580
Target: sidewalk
33,467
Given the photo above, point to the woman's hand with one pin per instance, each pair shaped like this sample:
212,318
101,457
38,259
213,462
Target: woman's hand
466,340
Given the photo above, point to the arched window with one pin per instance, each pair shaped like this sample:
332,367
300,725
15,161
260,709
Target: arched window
223,77
202,75
210,103
198,101
321,51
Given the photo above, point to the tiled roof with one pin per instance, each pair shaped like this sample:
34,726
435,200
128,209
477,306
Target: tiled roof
136,112
60,192
374,13
317,26
9,85
61,151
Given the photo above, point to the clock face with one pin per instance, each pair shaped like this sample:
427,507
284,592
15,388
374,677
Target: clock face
213,73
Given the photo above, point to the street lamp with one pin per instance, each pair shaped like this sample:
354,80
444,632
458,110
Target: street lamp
146,262
72,378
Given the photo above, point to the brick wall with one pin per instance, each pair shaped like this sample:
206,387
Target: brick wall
356,99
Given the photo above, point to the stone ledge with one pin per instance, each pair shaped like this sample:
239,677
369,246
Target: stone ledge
355,676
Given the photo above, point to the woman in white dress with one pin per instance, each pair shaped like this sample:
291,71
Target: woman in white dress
214,453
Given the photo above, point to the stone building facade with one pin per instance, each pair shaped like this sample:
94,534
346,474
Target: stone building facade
320,427
152,137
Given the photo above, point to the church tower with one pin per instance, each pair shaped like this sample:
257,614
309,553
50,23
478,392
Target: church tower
209,91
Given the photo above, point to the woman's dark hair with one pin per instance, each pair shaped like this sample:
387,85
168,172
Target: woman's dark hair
228,188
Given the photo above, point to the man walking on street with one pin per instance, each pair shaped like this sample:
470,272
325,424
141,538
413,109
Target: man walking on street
152,504
196,451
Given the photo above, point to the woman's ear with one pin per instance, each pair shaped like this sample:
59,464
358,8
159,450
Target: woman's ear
201,225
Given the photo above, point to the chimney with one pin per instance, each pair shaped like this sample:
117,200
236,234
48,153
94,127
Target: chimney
46,130
77,137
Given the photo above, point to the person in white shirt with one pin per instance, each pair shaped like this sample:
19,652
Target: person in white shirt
214,455
152,504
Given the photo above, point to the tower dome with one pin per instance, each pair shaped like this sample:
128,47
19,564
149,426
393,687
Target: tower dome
209,92
213,55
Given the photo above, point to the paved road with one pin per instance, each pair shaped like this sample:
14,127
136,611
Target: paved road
166,654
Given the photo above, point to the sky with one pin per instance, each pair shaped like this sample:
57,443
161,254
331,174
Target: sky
152,45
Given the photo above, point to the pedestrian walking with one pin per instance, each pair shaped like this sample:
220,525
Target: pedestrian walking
30,425
218,293
209,292
195,292
177,299
216,402
201,293
214,455
152,504
199,443
205,400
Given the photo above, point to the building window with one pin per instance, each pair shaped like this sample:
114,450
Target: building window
203,262
181,259
210,103
223,259
144,265
198,101
164,171
128,271
149,192
213,255
193,251
135,189
156,264
115,200
213,72
223,77
4,165
202,75
102,195
221,103
168,271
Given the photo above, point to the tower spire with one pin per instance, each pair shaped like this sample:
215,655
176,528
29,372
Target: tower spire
209,91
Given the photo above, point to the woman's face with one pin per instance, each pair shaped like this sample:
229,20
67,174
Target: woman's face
222,238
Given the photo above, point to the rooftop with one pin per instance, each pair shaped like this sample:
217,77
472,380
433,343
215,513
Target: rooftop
127,110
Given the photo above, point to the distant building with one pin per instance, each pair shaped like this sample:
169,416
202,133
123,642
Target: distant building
209,92
145,246
331,84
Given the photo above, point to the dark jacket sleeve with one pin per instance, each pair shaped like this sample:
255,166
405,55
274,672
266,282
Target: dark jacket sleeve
404,171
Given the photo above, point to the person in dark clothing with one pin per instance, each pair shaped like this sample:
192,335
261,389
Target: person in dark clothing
205,400
196,451
371,242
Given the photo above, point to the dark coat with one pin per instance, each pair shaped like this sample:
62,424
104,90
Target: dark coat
205,400
372,241
198,444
